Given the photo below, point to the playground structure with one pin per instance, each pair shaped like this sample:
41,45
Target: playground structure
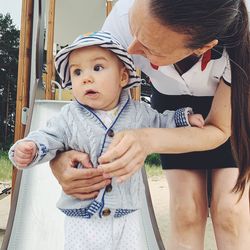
34,222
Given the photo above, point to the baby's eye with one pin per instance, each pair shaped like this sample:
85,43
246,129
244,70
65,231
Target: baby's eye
98,67
77,72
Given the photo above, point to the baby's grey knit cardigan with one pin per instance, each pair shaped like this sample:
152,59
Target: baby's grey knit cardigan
78,127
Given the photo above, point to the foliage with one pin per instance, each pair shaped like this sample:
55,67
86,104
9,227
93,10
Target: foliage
5,167
153,159
153,170
9,45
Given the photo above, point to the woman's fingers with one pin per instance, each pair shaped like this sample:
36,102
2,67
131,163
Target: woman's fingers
76,178
76,157
88,181
127,156
125,171
120,163
64,162
83,158
78,182
119,145
92,188
88,184
117,164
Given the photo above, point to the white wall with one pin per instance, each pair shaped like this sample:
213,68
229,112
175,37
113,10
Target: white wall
76,17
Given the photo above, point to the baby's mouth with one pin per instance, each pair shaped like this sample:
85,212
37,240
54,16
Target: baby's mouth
90,92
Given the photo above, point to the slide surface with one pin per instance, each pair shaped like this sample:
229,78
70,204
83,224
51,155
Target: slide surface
37,223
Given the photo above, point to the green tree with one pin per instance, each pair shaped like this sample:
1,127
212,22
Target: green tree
9,47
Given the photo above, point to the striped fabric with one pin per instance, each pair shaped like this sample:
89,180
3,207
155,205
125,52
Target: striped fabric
83,212
102,39
181,117
87,213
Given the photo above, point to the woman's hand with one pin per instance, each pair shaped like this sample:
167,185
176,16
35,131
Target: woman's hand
82,183
125,155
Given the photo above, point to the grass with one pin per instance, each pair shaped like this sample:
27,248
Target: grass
153,170
5,167
152,165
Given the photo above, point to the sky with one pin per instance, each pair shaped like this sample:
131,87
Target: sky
14,8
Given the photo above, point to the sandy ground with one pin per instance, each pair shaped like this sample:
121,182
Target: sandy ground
4,213
159,191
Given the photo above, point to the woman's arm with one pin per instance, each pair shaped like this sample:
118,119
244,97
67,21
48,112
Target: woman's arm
216,131
129,149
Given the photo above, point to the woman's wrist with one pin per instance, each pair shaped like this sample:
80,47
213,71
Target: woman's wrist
149,138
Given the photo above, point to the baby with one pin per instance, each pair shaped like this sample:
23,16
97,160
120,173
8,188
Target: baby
100,72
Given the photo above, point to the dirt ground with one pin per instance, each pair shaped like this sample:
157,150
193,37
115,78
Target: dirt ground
159,191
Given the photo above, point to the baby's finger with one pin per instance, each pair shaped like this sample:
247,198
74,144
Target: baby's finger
20,153
201,120
198,123
84,159
24,148
29,147
21,163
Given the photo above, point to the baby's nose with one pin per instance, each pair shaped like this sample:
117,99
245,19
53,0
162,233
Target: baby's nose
87,80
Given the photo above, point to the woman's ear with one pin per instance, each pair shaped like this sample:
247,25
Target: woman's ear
206,47
124,77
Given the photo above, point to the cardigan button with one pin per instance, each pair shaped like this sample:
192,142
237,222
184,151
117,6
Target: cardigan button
111,133
106,212
108,188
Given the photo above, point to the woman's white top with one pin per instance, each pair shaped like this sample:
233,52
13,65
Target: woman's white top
166,79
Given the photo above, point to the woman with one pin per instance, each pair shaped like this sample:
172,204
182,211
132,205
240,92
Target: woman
195,52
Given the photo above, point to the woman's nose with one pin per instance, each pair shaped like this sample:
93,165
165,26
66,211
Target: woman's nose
135,48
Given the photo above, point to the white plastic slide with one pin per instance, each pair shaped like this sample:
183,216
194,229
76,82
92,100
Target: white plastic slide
37,223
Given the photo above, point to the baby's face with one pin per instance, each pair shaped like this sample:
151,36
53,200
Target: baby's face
97,77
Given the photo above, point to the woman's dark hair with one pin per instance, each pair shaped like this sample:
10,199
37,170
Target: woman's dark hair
226,21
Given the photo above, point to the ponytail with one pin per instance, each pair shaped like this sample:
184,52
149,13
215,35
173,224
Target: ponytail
240,98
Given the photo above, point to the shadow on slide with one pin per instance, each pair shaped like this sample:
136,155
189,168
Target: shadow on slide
35,222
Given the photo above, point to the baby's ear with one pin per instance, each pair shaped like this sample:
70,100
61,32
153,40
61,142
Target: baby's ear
124,76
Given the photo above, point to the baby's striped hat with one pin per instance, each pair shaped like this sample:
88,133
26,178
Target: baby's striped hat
102,39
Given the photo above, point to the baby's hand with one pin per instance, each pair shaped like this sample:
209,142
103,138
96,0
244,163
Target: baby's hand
24,153
196,120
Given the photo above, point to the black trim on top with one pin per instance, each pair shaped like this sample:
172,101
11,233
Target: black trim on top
187,63
226,82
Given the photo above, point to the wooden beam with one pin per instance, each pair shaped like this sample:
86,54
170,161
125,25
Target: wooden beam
50,58
24,68
109,6
136,93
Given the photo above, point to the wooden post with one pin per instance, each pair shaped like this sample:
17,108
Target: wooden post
136,93
50,58
24,67
109,5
